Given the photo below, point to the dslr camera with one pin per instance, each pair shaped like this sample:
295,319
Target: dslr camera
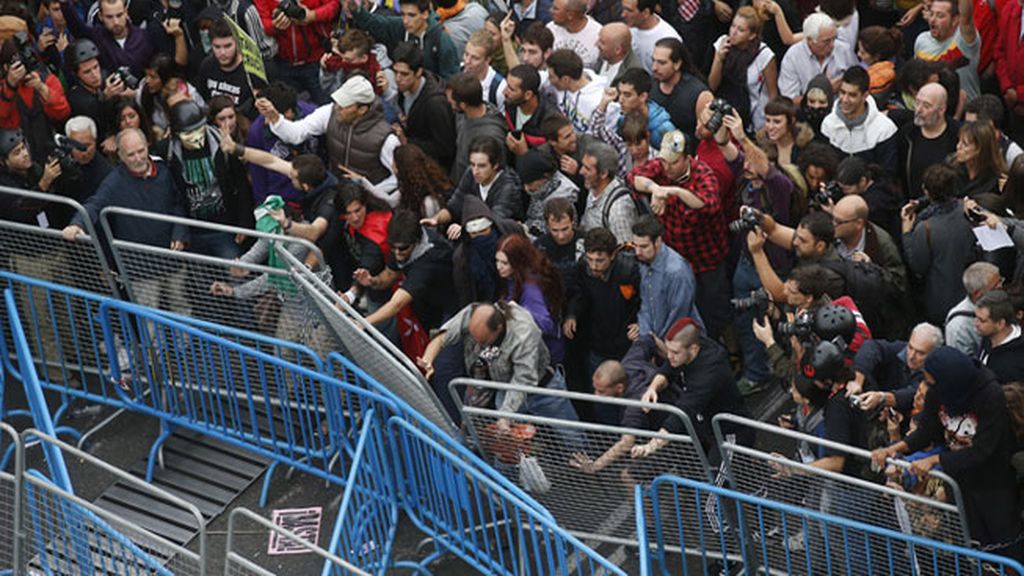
129,80
26,52
976,216
291,8
802,327
62,154
832,193
720,109
757,301
749,219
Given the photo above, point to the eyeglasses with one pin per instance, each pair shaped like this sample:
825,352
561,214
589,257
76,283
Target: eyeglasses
838,222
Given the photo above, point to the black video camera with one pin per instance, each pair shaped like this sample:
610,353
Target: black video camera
129,80
720,109
749,219
26,52
832,193
976,216
757,301
69,167
291,8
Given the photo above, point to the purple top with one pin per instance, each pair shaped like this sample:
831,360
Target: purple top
532,299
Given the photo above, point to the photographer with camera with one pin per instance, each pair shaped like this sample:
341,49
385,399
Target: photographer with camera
123,44
81,168
18,170
94,90
300,28
31,98
813,242
938,243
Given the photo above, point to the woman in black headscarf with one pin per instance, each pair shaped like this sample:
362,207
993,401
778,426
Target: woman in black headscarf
965,410
816,104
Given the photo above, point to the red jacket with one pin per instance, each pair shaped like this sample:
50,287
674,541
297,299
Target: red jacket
1010,50
299,45
56,108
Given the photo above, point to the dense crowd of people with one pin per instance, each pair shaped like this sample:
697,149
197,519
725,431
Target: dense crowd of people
680,201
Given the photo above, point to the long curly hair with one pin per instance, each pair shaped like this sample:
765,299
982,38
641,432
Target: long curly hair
419,176
530,264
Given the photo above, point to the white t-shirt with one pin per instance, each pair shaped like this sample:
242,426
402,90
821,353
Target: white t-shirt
644,40
755,81
583,42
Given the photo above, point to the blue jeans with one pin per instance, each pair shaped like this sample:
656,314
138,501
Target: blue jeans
554,407
755,359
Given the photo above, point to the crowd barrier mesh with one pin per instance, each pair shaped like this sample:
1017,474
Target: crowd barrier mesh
776,538
933,510
542,455
468,514
187,377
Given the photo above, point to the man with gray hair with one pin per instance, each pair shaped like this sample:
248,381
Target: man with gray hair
890,370
979,279
609,202
91,168
141,183
820,52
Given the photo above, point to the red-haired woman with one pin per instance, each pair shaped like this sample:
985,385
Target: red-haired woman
533,283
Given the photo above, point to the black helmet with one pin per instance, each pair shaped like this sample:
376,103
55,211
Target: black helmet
834,320
81,50
823,362
9,140
186,116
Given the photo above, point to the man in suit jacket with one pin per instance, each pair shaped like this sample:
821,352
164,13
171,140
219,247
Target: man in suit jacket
615,45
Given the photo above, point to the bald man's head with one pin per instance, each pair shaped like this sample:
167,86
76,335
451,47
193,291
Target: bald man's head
613,42
930,106
486,322
849,217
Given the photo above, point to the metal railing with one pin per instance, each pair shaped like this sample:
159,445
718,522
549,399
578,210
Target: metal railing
936,514
594,504
255,294
62,530
775,538
41,252
189,378
10,502
469,515
360,340
236,563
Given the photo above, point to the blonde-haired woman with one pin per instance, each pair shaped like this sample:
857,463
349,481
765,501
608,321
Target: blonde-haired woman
744,71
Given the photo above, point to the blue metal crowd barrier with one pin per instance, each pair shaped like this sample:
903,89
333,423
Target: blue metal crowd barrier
34,394
476,519
187,377
780,538
364,531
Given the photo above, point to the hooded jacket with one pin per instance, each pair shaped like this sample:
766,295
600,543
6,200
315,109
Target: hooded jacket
871,139
475,208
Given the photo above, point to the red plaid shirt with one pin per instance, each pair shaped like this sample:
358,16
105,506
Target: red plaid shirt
699,235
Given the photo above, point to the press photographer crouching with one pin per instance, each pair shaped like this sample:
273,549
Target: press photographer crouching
797,316
81,168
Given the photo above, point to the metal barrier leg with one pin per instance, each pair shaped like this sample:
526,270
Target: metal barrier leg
156,449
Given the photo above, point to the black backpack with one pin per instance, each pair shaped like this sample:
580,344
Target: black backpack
864,283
